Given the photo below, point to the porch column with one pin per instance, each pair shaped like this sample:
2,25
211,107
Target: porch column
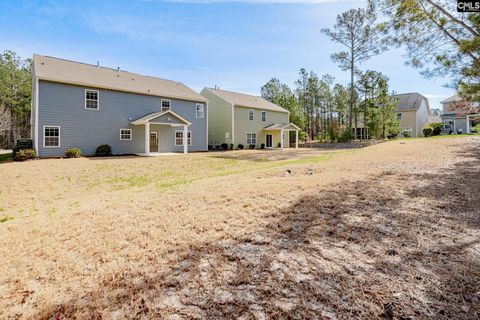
185,139
281,139
468,124
147,138
296,139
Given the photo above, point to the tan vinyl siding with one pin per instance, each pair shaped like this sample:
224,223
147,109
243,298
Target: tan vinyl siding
409,120
219,119
243,125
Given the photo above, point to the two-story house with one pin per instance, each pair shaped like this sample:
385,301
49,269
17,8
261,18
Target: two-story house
239,118
459,115
413,111
81,105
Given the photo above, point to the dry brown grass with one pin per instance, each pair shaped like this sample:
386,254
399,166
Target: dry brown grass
387,231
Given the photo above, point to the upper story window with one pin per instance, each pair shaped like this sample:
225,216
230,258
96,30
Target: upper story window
91,99
51,136
264,116
250,114
166,105
200,110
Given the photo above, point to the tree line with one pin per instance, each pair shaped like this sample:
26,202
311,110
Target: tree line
439,41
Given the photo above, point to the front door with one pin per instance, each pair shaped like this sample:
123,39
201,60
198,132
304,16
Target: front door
153,141
269,140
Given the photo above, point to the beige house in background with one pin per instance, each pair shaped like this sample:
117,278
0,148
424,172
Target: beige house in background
239,118
413,111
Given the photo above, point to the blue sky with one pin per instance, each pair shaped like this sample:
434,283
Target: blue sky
238,45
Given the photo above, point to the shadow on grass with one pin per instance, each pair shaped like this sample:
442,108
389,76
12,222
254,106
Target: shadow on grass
397,246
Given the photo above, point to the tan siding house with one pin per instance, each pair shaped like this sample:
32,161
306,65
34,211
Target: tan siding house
239,118
413,111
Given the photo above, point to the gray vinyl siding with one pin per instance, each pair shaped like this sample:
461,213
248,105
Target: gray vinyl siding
64,105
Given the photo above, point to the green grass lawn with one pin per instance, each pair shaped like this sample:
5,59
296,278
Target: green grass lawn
6,157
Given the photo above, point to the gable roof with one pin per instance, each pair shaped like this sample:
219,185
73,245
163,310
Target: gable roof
411,101
153,115
66,71
246,100
454,98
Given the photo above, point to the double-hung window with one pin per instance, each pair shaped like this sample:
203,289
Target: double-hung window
200,110
250,115
51,136
251,138
165,104
264,116
91,99
125,134
179,138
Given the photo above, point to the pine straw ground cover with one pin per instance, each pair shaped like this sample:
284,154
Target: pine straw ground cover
390,231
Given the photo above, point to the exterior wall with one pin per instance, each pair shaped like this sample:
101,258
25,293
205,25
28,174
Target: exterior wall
219,119
64,105
409,120
422,118
243,125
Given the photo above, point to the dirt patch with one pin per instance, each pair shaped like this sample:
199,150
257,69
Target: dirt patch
389,231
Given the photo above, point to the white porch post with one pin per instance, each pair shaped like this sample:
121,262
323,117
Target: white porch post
296,139
185,139
468,124
281,139
147,138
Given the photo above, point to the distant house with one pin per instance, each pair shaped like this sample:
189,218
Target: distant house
239,118
459,116
413,112
81,105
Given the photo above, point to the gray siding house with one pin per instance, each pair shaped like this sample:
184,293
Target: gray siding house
83,106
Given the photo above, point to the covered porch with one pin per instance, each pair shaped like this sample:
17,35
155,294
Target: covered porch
280,128
153,123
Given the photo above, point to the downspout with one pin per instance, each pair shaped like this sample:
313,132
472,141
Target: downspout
36,114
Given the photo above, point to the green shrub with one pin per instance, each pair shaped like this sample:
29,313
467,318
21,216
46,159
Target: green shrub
262,146
224,146
437,128
302,135
25,154
393,132
231,146
22,144
406,134
252,146
103,150
279,144
241,146
73,153
427,131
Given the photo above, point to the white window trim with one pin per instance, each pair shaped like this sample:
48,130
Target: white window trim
59,135
261,116
253,114
246,138
175,138
169,104
98,99
126,129
203,110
